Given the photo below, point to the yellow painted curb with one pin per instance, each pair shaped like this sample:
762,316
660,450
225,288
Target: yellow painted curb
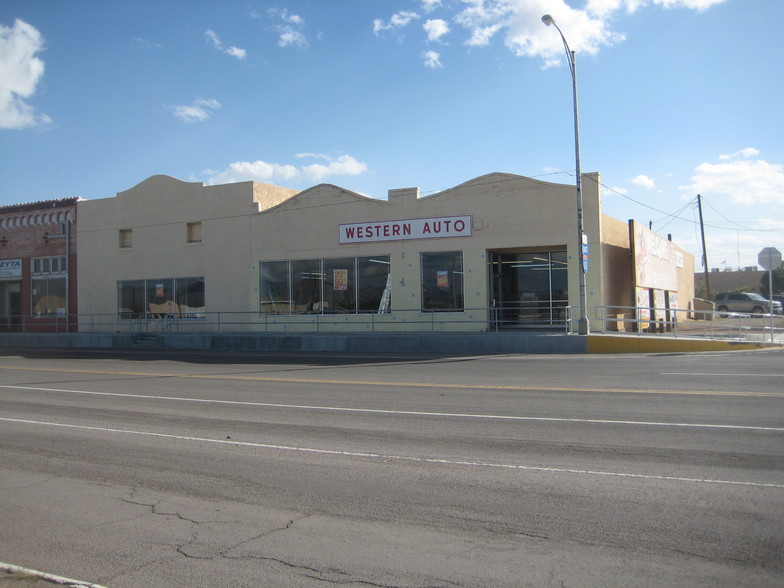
621,344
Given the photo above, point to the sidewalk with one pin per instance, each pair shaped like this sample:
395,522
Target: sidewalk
19,577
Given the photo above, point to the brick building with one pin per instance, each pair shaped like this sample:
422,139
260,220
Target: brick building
38,266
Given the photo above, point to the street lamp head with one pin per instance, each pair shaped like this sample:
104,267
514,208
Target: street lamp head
548,20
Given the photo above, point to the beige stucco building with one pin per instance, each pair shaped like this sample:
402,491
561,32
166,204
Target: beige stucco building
499,251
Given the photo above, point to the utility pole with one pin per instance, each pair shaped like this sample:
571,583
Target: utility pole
704,252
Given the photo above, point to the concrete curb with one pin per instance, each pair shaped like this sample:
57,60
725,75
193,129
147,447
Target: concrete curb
51,578
436,343
636,344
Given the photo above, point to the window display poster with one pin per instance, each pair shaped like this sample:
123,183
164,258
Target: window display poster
442,279
340,279
643,307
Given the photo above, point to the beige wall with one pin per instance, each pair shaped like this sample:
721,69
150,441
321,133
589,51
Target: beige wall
249,222
618,276
157,212
510,212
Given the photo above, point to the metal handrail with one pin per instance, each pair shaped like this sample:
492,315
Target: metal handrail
627,320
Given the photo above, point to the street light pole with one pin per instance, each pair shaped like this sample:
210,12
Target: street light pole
582,241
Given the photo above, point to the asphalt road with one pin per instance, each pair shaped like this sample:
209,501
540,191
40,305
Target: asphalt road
194,469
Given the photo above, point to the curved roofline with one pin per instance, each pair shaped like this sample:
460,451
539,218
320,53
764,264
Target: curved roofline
490,178
306,191
165,178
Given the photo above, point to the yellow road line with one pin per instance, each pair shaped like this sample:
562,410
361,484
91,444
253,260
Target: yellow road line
397,384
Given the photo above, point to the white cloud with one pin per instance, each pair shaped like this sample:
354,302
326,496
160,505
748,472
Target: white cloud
199,111
528,36
261,171
292,32
146,43
20,73
216,42
435,29
294,19
644,182
604,8
397,21
587,29
699,5
345,165
745,153
432,59
481,36
236,52
744,181
289,37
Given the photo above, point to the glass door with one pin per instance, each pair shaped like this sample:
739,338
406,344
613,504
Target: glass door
529,289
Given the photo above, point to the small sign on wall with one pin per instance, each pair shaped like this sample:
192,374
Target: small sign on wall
11,268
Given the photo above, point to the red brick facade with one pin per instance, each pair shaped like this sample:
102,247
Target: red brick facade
38,266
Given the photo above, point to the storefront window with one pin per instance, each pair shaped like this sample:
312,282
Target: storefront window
530,288
373,287
161,298
190,297
132,299
275,293
49,296
306,280
442,281
50,285
340,284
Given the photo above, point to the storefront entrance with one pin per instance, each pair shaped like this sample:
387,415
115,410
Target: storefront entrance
529,289
10,305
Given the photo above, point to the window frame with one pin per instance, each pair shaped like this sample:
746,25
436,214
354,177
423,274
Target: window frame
363,285
440,279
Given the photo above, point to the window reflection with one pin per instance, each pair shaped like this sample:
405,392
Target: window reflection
339,284
442,281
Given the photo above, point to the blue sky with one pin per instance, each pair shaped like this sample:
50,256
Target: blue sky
677,97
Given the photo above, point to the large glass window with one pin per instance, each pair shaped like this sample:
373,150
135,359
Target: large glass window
530,288
190,297
131,295
49,296
442,281
161,298
306,278
341,284
373,283
50,285
275,291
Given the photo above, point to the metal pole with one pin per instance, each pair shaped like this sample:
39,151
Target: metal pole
704,251
582,323
770,291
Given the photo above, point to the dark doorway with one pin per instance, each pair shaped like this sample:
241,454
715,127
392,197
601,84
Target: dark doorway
529,289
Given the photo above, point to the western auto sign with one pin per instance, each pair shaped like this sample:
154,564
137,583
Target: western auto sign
11,268
401,230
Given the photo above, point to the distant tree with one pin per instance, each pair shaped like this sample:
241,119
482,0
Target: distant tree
778,281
